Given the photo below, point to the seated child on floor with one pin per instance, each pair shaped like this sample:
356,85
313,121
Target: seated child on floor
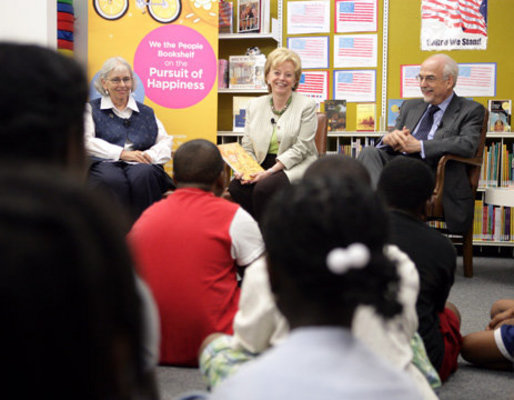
494,346
323,262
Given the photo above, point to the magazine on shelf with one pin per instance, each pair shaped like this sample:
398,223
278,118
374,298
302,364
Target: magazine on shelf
365,117
239,160
248,16
225,16
239,104
247,72
499,115
336,115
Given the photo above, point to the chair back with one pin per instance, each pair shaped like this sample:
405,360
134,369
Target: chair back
321,134
474,165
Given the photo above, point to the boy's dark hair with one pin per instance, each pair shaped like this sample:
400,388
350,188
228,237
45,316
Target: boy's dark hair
197,162
339,166
406,184
69,306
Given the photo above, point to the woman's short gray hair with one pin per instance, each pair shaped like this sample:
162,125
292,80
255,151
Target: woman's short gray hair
106,69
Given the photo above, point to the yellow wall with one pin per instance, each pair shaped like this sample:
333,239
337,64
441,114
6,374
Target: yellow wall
405,48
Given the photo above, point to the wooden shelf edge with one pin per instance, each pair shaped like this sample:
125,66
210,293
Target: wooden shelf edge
242,91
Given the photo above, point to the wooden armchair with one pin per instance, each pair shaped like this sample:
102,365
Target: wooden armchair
435,210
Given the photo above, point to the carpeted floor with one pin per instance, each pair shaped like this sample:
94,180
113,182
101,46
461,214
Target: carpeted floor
494,279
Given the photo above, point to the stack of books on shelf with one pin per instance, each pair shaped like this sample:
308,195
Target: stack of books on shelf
355,147
493,223
490,171
507,169
247,72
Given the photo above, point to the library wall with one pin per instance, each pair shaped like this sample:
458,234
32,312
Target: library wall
404,24
351,107
404,45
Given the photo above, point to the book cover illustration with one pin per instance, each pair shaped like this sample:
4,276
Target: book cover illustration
393,111
365,117
247,72
239,160
499,115
336,115
239,104
225,17
248,16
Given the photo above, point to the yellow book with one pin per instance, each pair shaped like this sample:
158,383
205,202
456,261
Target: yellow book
239,160
365,117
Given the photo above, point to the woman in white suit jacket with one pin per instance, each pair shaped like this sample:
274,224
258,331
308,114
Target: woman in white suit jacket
279,133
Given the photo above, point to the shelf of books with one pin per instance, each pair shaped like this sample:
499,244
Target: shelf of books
248,30
351,143
494,223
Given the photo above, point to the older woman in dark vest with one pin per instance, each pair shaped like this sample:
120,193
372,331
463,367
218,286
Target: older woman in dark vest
125,140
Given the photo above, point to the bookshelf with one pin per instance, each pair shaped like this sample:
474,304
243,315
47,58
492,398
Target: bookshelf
236,44
494,221
338,139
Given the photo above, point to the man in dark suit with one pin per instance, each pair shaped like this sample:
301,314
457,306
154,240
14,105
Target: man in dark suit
440,123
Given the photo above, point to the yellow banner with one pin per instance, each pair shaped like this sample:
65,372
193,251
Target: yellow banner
172,46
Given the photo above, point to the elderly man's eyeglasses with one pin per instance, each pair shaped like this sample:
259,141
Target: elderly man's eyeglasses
428,78
117,81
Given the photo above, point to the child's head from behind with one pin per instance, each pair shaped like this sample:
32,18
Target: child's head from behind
69,305
325,240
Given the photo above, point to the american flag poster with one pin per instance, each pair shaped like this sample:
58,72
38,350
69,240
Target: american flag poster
355,86
355,16
474,80
314,84
477,80
308,17
453,24
355,51
313,50
409,87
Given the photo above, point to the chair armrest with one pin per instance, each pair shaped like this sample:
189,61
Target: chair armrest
437,196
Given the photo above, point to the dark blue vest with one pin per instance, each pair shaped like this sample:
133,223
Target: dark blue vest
140,129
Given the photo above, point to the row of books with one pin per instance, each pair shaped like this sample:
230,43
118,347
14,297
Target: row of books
252,16
355,147
498,166
493,222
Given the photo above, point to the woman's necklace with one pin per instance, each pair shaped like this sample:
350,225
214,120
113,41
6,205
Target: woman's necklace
283,110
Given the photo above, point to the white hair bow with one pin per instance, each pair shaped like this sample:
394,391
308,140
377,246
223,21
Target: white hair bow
340,260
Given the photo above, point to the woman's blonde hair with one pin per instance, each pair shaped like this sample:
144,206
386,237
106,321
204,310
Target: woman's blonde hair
281,55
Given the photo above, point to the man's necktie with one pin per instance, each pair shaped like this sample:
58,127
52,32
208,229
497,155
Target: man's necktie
426,124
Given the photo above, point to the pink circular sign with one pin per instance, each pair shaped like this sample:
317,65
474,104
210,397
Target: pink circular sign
176,65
